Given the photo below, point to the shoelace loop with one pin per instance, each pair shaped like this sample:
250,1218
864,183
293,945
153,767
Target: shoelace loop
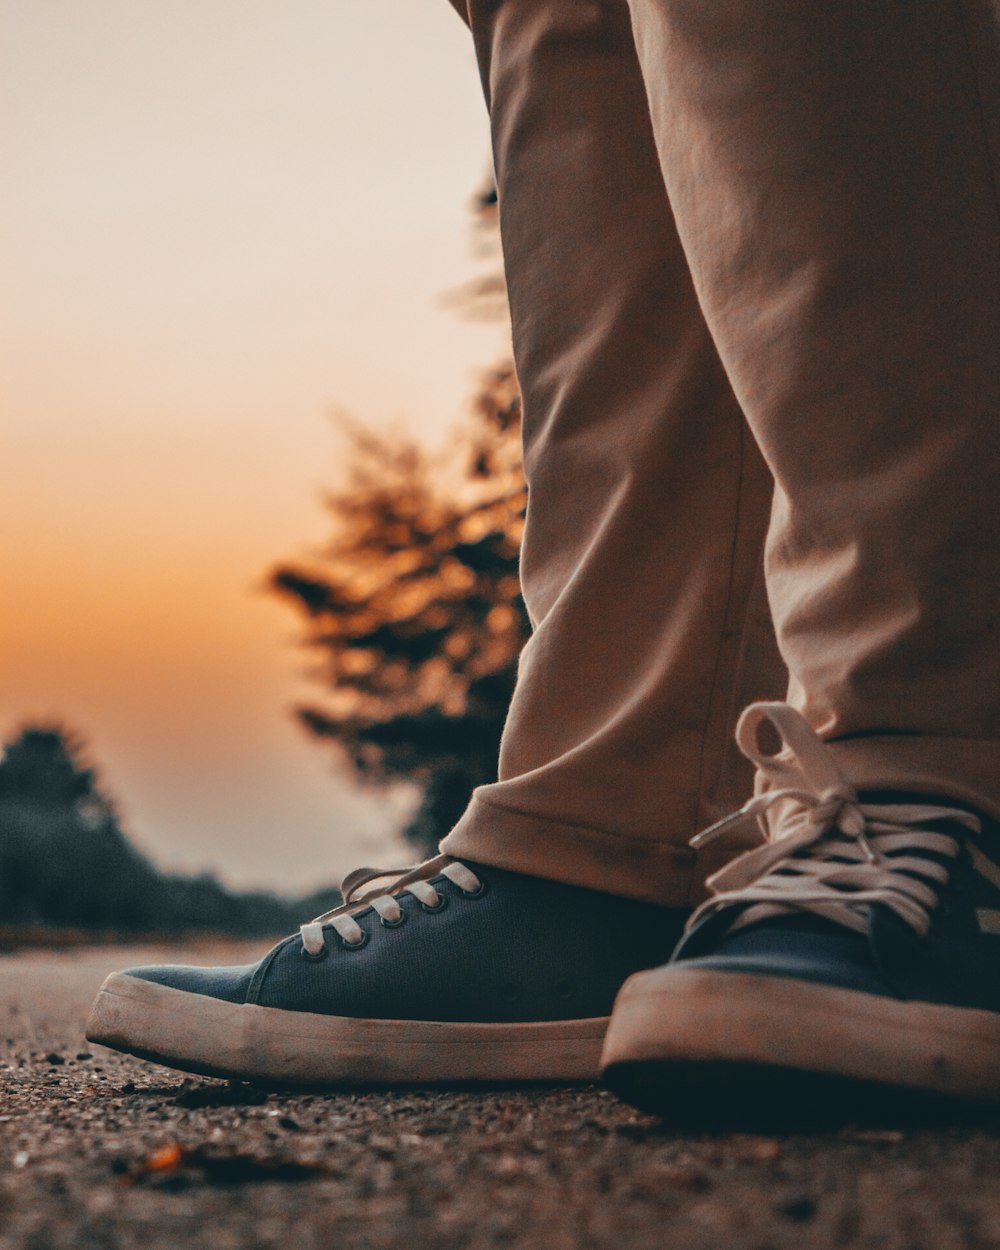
829,853
413,880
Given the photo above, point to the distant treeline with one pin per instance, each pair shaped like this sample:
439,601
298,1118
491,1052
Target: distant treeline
65,861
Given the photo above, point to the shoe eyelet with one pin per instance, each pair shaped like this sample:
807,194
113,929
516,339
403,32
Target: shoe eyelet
318,958
475,893
393,924
354,946
440,905
564,989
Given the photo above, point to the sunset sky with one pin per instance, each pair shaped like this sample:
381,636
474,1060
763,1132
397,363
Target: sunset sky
221,221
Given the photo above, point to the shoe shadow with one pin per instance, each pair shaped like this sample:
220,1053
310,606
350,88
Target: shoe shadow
743,1098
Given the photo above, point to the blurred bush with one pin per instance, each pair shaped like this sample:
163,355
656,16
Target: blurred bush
65,861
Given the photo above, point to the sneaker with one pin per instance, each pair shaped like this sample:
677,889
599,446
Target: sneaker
860,944
456,972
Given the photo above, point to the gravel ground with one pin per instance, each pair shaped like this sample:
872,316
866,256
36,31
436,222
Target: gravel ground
101,1152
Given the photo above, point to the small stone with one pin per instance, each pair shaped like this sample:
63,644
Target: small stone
801,1209
54,1059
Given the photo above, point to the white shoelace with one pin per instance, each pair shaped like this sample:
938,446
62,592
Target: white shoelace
413,880
828,853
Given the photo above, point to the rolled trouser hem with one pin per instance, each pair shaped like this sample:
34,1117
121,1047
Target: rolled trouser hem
640,868
964,769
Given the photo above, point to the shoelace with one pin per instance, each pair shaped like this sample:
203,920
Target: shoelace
413,880
829,854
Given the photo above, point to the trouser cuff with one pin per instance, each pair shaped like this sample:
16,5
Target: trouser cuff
653,871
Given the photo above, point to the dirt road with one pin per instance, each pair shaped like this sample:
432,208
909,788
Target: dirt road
101,1152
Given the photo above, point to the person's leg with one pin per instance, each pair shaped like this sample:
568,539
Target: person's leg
832,177
833,171
647,498
648,503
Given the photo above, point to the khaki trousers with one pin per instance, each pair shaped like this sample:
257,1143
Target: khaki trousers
753,256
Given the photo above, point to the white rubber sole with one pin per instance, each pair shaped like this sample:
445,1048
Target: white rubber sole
206,1035
673,1025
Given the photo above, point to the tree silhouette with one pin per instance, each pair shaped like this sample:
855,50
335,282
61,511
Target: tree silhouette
63,856
414,608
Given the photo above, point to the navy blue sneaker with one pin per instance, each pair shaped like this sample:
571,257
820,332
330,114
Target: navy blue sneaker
860,944
454,972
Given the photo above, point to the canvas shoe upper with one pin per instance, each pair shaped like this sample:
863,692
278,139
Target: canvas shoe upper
859,941
449,971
